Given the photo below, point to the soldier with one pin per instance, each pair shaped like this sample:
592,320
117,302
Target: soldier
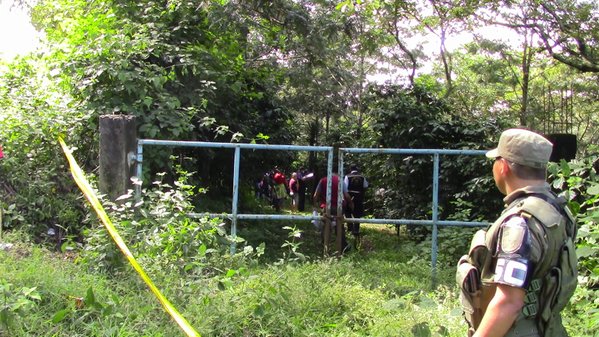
521,272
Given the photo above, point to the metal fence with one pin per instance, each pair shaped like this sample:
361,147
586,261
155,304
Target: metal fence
434,222
234,216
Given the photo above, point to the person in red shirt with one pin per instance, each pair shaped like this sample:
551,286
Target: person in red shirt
280,191
320,195
293,191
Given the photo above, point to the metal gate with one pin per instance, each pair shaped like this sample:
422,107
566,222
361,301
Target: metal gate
234,215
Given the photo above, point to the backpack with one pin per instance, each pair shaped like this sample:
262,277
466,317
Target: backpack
355,183
559,284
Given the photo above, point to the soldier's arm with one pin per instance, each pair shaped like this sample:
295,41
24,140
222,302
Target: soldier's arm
501,312
513,271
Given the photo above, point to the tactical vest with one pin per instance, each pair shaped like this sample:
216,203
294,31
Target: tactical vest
554,277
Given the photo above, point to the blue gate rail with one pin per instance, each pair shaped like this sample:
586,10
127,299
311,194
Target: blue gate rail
234,215
434,222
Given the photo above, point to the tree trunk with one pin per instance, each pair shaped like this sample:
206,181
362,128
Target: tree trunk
527,56
446,64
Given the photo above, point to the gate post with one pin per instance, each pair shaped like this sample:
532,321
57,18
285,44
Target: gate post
118,144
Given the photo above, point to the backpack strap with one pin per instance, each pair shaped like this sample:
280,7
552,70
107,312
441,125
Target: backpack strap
559,203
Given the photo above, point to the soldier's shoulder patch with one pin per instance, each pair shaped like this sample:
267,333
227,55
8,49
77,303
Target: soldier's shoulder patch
513,234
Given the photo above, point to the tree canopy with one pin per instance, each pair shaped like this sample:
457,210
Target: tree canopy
342,73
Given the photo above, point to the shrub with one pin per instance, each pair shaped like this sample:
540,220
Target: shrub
164,237
414,118
578,181
33,112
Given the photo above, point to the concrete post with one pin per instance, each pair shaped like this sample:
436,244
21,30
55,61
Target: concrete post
118,145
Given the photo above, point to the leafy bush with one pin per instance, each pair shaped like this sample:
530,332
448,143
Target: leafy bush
180,69
15,302
578,181
67,304
414,118
163,237
33,112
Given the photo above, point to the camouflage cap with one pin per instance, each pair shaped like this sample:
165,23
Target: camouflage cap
523,147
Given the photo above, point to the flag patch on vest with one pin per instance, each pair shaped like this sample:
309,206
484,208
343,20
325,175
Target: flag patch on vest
511,272
512,235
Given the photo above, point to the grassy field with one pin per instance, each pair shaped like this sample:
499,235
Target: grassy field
378,290
381,289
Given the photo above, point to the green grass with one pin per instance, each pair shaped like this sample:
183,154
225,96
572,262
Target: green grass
373,291
379,290
61,284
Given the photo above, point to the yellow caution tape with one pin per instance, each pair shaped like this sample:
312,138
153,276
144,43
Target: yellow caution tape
79,178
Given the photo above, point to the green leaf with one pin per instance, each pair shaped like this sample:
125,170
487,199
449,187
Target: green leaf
90,298
32,293
60,315
585,251
262,136
202,250
4,316
593,190
421,330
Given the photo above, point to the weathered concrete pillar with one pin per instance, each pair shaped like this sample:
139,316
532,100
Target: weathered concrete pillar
118,145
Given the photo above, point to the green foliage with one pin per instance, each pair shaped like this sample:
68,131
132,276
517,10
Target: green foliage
568,31
322,299
279,72
489,83
380,290
88,307
372,292
578,181
414,118
68,305
33,112
180,68
15,302
452,243
292,245
163,236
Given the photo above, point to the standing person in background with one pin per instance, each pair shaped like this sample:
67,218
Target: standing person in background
356,185
294,191
303,177
522,271
320,199
320,194
264,187
280,191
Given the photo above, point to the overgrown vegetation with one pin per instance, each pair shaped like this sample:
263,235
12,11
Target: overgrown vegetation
579,182
376,291
383,289
414,118
279,72
33,112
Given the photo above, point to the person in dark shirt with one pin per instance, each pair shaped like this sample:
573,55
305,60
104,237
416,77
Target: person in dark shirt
355,184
